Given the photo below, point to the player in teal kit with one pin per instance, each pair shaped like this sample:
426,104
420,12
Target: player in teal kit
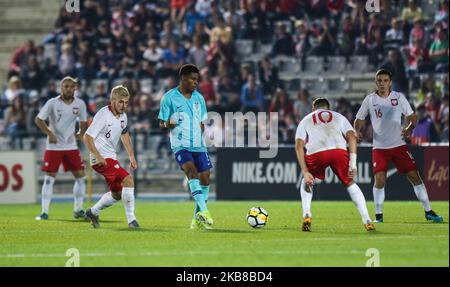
183,111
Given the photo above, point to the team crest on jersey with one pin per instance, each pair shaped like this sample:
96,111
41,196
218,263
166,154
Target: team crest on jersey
196,105
76,111
122,124
394,102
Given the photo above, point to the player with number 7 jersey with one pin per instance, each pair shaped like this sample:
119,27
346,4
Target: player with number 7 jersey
325,134
386,108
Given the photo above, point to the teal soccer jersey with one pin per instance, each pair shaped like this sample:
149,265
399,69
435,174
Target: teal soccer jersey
188,114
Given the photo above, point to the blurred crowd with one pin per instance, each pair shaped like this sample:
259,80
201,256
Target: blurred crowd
143,43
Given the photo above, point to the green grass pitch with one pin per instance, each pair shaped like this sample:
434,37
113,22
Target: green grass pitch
337,238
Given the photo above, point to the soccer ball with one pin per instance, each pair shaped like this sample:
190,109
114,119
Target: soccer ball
257,217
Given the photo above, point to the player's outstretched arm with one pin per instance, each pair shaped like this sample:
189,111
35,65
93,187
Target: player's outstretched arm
89,142
358,125
411,122
167,125
352,146
44,128
81,131
126,141
300,151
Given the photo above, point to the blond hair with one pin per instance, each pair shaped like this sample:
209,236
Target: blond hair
119,91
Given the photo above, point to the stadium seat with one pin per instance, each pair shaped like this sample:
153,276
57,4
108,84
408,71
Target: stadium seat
317,86
314,65
336,65
339,85
244,48
359,64
146,86
290,67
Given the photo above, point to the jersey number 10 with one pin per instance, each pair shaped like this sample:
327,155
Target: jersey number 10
320,116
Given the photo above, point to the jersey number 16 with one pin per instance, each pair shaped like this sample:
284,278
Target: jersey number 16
378,113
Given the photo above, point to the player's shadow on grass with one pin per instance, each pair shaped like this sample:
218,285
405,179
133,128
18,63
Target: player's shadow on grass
86,221
219,230
142,229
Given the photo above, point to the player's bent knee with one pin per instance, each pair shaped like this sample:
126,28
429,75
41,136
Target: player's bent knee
128,181
116,195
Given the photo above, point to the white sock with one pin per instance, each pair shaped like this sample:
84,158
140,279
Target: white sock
105,201
128,202
422,195
378,199
360,202
306,200
47,192
79,190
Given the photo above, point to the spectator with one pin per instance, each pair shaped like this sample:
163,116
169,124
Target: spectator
66,62
346,37
252,97
48,93
439,51
206,88
228,94
432,106
280,103
31,75
197,53
395,65
441,17
394,36
254,22
409,13
14,90
282,43
302,105
173,58
15,122
429,85
425,131
418,59
302,39
178,9
325,40
268,76
153,54
418,32
20,57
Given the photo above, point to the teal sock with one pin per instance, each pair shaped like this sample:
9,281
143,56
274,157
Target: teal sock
205,191
196,190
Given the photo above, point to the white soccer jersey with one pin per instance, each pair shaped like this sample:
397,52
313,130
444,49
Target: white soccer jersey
62,119
386,117
106,130
323,130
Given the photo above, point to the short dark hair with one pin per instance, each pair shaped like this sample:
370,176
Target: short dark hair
383,72
188,69
321,102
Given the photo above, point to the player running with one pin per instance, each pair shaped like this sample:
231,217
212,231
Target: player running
325,134
63,112
108,126
386,108
183,111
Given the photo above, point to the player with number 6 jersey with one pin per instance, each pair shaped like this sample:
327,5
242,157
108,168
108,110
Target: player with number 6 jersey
110,125
325,134
386,108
